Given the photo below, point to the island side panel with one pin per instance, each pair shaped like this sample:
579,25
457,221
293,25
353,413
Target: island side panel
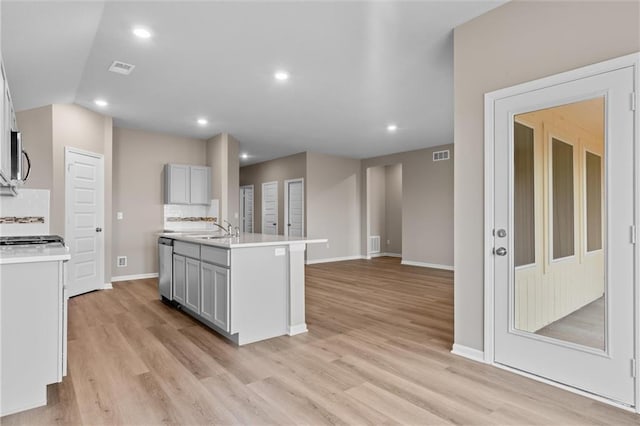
259,292
297,321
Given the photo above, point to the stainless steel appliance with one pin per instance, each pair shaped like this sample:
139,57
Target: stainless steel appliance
32,240
165,263
17,154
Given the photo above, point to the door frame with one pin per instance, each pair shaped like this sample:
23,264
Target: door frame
262,205
286,204
253,206
67,207
632,60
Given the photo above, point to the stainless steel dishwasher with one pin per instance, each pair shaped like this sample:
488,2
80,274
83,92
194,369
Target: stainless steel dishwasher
165,265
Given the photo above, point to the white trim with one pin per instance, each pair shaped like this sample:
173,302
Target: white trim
427,265
133,277
286,204
297,329
371,255
335,259
107,286
467,352
632,60
565,387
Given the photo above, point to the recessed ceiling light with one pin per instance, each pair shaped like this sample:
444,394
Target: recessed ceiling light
101,102
141,32
244,155
281,75
202,121
392,128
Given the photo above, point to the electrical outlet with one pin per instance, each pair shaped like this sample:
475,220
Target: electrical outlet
388,241
119,215
121,261
327,245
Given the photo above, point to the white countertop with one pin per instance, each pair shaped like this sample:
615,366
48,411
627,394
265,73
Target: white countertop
33,253
245,239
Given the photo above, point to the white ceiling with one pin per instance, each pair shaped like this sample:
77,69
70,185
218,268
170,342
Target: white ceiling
355,67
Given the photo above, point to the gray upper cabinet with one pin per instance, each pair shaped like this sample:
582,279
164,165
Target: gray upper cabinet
200,183
187,184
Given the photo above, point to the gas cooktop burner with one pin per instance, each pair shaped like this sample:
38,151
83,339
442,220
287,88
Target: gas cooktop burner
31,239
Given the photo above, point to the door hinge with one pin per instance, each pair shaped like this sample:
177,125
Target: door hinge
632,231
633,101
633,368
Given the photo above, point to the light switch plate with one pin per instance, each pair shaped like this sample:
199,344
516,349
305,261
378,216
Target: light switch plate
280,251
119,215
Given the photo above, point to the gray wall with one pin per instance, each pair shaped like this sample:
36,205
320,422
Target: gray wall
280,169
139,158
515,43
334,210
427,205
48,130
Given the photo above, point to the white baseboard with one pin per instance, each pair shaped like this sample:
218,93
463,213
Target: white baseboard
107,286
134,277
297,329
467,352
334,259
385,255
427,265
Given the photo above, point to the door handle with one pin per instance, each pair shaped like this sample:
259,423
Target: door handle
500,251
98,229
288,224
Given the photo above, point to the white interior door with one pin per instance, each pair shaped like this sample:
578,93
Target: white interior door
294,207
84,220
246,208
564,229
270,208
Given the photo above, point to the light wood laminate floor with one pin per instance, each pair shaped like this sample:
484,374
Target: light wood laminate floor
377,352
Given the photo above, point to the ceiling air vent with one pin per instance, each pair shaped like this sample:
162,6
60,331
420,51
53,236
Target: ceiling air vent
121,67
441,155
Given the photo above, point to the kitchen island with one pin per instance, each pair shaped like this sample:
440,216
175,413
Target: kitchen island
247,288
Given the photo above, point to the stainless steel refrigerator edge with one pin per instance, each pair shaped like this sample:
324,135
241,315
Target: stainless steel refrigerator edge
165,269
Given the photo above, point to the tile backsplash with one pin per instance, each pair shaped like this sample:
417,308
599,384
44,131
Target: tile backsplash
25,214
178,217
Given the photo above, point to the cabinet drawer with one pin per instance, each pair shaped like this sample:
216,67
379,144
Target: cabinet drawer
216,255
187,249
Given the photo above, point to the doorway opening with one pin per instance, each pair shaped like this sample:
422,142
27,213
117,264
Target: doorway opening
384,210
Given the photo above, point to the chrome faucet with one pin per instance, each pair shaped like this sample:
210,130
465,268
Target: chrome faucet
226,230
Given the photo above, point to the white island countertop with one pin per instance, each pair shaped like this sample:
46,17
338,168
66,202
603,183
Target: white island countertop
244,240
33,253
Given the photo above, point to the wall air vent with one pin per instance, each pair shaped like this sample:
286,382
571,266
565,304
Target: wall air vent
121,261
121,67
441,155
374,244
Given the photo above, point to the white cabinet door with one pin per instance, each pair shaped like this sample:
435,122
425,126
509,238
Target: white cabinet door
179,278
177,184
221,298
207,291
215,295
192,278
200,184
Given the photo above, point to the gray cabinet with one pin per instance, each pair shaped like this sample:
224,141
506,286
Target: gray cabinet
214,286
186,184
200,183
192,278
179,278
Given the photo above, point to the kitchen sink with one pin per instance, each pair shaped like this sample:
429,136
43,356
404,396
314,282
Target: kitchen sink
212,237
